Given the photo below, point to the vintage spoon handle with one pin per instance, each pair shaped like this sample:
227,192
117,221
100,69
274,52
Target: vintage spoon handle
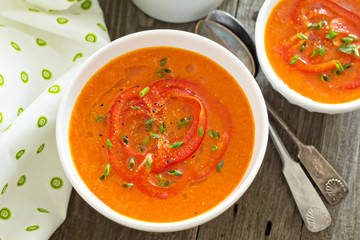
330,183
313,211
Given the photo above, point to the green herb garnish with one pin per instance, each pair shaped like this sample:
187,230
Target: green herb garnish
132,163
201,131
184,122
160,181
303,46
331,35
315,52
176,145
214,134
294,59
339,66
175,173
219,166
135,107
350,49
162,128
144,91
147,163
324,77
214,148
302,36
100,118
125,140
146,141
347,40
140,148
106,172
150,121
322,51
354,37
318,25
127,185
347,65
108,143
154,135
163,61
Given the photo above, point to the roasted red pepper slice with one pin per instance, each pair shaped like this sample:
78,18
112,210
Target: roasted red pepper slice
162,156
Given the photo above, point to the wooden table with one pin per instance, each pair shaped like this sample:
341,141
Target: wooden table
267,209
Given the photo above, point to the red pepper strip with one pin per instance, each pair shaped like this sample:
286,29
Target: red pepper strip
346,84
192,140
336,8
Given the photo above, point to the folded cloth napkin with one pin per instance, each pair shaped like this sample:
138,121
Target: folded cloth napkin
42,43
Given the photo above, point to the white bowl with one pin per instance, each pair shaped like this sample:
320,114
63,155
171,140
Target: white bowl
178,39
177,11
291,95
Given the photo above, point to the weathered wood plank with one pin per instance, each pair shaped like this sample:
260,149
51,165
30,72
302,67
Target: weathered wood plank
267,209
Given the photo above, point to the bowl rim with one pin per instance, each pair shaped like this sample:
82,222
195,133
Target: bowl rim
67,102
276,82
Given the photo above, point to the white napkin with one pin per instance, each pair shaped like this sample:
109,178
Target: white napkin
42,42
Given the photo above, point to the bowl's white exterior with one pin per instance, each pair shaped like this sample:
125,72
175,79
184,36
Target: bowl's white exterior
177,11
178,39
292,96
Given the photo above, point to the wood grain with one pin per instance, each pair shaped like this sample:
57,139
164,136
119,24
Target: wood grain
267,209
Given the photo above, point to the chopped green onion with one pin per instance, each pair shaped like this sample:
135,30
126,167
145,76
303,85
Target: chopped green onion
162,128
350,49
132,163
347,65
147,163
331,35
166,70
317,26
150,121
347,40
153,135
140,148
339,66
106,172
146,141
135,107
127,185
100,118
336,72
294,59
354,37
303,46
324,77
214,134
108,143
175,173
322,51
219,166
302,36
176,145
315,52
144,91
125,140
163,61
214,148
184,122
160,181
201,131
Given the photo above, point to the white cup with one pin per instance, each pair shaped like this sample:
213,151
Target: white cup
177,11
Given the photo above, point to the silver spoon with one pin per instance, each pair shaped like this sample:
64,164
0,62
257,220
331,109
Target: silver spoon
216,27
330,183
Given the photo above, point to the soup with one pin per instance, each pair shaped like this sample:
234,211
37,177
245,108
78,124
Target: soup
161,134
313,46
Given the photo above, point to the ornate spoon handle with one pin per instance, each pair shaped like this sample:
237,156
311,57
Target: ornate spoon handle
330,183
313,211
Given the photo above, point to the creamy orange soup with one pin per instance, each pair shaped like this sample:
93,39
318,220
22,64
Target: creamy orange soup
161,134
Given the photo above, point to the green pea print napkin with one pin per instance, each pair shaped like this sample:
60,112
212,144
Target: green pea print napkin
42,43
